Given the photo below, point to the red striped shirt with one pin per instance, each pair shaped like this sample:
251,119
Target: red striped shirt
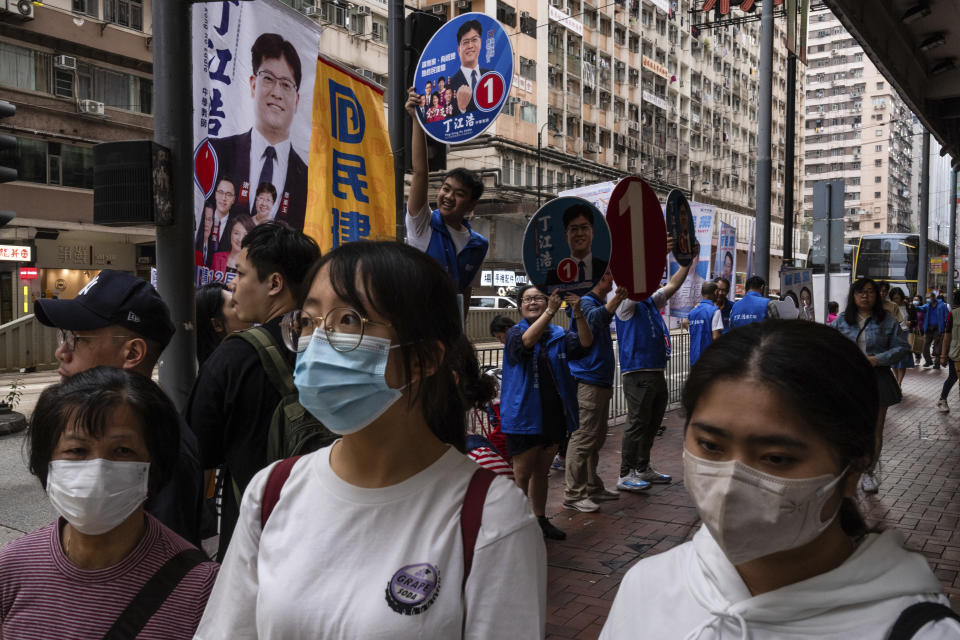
44,595
490,459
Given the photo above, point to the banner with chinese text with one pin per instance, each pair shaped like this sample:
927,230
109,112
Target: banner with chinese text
351,194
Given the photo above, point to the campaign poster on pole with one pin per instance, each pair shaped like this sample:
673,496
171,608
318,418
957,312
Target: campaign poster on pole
688,296
463,78
680,228
566,247
635,217
254,68
796,285
725,265
351,188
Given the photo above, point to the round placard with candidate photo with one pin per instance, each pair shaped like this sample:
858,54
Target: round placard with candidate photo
566,247
463,78
680,227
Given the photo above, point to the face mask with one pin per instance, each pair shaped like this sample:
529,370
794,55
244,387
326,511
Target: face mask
345,391
752,514
95,496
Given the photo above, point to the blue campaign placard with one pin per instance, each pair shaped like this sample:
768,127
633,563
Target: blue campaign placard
463,78
566,247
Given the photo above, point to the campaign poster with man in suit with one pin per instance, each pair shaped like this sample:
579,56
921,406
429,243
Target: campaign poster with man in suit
255,64
463,78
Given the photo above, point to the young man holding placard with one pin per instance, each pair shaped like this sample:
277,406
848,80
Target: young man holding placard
444,233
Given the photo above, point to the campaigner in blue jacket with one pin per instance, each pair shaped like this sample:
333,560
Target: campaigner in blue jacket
934,320
752,307
705,320
538,397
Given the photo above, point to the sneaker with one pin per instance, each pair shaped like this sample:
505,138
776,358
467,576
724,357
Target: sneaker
942,406
559,463
549,531
631,482
869,483
927,364
605,496
653,476
585,505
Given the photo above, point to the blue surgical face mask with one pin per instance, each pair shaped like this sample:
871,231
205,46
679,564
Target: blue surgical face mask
345,391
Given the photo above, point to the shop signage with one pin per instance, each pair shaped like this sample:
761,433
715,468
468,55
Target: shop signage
656,67
15,253
559,16
28,273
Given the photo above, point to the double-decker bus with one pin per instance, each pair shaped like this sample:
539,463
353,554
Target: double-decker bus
894,258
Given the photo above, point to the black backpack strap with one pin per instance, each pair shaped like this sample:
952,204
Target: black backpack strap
153,594
916,616
274,364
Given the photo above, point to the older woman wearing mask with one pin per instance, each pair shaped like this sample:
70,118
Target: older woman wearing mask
100,442
538,399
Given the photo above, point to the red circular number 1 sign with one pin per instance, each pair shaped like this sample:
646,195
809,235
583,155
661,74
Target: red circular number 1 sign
567,270
489,91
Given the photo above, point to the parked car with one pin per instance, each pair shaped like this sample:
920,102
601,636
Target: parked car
492,302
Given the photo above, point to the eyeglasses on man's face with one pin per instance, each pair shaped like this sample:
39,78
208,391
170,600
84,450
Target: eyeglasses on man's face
344,328
270,81
70,339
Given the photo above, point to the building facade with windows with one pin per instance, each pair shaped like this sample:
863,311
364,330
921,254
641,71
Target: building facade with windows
858,130
79,73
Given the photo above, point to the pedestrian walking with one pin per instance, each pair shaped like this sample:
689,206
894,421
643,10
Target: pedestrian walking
753,306
233,400
388,532
934,321
538,399
216,318
907,324
594,378
833,308
784,551
101,443
917,347
879,337
949,355
119,320
705,320
644,345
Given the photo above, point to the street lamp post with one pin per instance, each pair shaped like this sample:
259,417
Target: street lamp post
540,165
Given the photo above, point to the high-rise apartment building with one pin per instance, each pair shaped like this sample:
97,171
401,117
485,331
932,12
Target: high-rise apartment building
858,130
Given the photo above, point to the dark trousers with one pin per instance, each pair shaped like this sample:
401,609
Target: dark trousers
646,395
950,381
931,338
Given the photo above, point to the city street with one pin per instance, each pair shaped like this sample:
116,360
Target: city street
920,495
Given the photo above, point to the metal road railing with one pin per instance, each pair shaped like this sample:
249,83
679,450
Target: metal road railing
25,344
678,368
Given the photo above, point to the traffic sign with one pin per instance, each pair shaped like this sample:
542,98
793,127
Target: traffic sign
680,227
639,237
463,78
566,247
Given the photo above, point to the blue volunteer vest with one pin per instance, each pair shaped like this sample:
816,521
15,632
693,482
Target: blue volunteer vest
598,366
750,308
463,266
643,340
520,409
701,330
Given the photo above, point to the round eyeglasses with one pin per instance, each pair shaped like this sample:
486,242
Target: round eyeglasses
343,326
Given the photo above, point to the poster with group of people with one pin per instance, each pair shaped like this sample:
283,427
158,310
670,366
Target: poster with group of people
253,88
688,296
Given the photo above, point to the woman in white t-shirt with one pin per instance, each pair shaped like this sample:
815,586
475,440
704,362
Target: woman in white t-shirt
366,538
780,425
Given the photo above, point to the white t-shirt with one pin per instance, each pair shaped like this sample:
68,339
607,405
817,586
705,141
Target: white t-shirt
340,561
419,233
717,323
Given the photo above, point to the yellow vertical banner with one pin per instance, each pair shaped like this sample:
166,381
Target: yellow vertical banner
350,189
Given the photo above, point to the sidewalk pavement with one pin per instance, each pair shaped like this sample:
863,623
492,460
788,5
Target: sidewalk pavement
919,494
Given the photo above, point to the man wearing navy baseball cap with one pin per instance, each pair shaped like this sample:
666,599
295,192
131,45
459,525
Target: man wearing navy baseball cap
119,320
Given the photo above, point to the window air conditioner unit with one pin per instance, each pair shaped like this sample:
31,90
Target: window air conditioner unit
555,3
524,15
439,8
616,158
632,163
92,107
312,12
23,9
65,62
363,10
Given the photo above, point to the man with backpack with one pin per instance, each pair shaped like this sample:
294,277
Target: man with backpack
244,401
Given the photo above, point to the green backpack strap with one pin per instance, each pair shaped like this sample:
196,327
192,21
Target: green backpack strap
274,364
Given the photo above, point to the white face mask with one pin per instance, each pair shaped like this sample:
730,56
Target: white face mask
752,514
95,496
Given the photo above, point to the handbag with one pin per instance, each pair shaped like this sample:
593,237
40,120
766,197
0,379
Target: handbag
916,342
887,387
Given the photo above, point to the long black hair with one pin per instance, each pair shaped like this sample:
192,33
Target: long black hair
89,399
209,312
812,368
851,312
419,300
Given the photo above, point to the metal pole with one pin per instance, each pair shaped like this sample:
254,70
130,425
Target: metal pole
953,236
761,259
539,167
173,128
826,260
789,160
924,265
396,98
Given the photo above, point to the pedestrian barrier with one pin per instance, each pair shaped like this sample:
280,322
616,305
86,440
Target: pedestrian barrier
27,344
676,374
477,325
